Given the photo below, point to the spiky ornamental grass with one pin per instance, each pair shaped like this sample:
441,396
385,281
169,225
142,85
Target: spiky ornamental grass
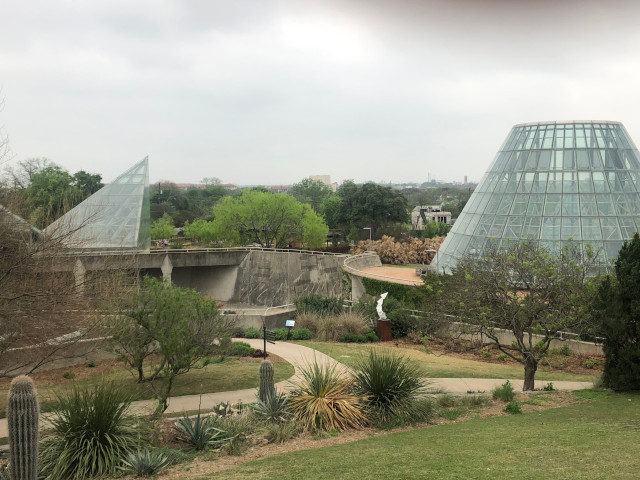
322,400
390,383
91,433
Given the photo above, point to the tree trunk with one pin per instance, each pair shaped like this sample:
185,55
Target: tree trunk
530,367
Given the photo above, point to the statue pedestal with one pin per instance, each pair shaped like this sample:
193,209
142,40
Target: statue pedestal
384,331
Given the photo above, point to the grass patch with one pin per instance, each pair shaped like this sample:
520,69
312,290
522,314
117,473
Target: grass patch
445,366
591,394
595,440
231,374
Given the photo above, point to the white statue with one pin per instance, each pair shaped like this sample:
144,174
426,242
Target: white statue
381,314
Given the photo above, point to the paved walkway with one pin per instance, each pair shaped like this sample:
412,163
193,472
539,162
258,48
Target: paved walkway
299,355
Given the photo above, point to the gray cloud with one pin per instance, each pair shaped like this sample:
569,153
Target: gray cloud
272,91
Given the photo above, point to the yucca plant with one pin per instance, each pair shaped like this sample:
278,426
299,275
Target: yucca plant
274,408
144,463
90,433
199,432
322,400
389,382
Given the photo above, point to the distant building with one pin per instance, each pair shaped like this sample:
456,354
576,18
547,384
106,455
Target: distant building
422,214
279,189
326,179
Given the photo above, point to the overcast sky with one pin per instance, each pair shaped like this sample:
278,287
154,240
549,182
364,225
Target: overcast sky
269,92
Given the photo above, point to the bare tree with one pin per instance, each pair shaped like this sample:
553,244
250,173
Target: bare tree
46,313
527,291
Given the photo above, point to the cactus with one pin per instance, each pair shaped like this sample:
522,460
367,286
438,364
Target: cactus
22,420
266,380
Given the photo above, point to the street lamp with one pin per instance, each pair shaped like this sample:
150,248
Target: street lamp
436,255
369,228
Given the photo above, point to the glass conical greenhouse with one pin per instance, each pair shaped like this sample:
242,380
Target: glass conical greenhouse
551,182
116,217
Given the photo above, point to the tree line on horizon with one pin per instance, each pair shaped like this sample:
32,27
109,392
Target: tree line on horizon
41,191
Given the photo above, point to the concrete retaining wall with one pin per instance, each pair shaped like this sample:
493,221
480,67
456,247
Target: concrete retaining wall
276,278
506,337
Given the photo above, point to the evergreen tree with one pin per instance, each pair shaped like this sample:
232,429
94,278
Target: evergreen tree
617,307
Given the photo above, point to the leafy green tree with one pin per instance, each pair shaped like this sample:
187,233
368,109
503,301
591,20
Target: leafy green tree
199,229
183,326
53,191
617,309
313,192
371,205
526,290
271,220
331,208
88,183
162,227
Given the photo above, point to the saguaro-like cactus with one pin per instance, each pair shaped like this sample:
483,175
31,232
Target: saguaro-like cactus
266,380
22,420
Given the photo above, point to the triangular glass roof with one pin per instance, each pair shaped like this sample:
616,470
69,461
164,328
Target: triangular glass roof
116,217
551,182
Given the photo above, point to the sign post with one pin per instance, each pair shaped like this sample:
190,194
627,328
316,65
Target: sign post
268,336
289,324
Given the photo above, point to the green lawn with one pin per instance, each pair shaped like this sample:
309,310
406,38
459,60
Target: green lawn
231,374
445,366
595,440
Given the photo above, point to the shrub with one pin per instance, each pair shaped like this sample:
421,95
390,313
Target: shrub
239,349
446,401
353,323
199,432
274,408
90,433
298,334
401,320
452,413
309,321
502,357
591,363
548,387
504,392
486,353
514,408
91,364
371,336
144,463
69,375
280,432
321,400
252,332
390,383
239,425
319,305
565,350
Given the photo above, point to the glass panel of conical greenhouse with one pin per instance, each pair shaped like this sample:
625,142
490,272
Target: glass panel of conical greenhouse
551,182
116,217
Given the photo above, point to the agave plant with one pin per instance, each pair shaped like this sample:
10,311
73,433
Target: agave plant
200,432
274,408
322,399
144,463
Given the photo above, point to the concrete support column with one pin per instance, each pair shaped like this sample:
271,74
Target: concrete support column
167,268
79,276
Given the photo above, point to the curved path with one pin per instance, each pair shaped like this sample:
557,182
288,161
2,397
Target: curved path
299,355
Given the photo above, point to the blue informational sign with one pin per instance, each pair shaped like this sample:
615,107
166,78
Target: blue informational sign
290,323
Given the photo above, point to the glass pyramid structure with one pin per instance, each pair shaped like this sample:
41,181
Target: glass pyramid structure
116,217
551,182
